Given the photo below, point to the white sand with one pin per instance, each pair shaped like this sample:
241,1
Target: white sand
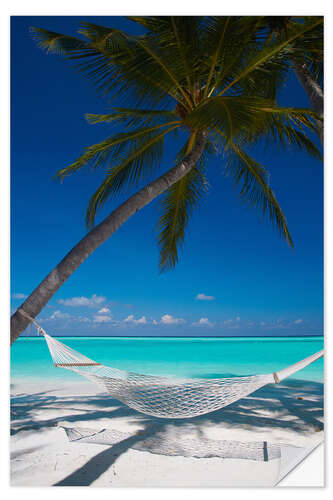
41,455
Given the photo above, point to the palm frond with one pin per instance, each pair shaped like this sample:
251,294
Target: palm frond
253,119
132,117
57,43
239,45
139,161
270,55
216,55
156,24
178,40
176,207
288,129
255,189
166,68
111,148
117,63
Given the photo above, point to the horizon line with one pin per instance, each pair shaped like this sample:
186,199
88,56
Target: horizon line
177,336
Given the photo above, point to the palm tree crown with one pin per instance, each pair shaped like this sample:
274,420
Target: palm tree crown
214,76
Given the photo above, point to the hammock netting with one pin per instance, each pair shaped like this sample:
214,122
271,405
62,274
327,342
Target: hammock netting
158,396
165,397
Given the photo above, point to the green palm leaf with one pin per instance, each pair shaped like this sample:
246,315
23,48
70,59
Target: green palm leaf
177,206
255,189
115,62
271,54
140,161
132,117
111,148
206,74
252,119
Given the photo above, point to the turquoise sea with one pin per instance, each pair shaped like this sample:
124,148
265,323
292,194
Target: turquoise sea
182,357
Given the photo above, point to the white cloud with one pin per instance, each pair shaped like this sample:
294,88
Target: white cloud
131,319
19,296
232,323
59,315
104,310
274,325
298,321
202,296
102,318
203,322
167,319
81,319
93,301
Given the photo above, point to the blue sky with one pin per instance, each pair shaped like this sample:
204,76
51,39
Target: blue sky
235,275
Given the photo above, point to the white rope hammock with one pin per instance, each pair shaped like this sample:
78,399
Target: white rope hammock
162,396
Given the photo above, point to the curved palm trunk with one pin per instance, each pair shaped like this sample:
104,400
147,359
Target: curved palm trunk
313,91
80,252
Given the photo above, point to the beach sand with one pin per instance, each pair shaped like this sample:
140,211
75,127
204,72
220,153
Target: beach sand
290,414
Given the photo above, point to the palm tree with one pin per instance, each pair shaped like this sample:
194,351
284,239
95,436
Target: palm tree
306,59
209,80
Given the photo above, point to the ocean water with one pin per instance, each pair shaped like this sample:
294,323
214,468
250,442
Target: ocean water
182,357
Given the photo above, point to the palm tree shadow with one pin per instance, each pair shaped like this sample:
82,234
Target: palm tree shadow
100,463
253,412
24,408
284,406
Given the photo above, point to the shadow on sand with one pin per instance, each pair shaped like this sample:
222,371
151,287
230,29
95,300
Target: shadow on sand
295,405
